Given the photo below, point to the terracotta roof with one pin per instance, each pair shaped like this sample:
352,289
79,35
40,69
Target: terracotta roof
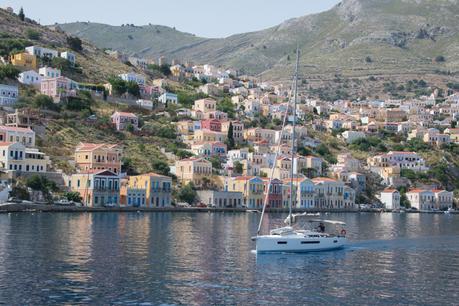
323,179
85,146
390,190
98,171
15,129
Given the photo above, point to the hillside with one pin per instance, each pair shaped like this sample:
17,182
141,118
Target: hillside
94,63
355,38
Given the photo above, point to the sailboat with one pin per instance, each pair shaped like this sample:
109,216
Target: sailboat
318,237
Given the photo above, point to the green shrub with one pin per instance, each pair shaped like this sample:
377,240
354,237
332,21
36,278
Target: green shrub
33,34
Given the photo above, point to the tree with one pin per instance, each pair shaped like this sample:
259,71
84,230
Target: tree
75,43
44,102
368,59
440,59
238,167
230,138
21,14
8,72
73,196
160,166
165,69
133,88
227,106
41,183
119,86
32,34
187,194
216,162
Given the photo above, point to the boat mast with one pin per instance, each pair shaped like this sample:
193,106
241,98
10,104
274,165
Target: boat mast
284,122
295,98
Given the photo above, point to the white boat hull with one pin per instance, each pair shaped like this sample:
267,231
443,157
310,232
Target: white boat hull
297,243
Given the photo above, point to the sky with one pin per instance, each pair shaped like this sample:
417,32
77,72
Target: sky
206,18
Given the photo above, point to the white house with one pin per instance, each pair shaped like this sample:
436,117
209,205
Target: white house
147,104
42,52
168,98
69,56
133,77
8,94
49,72
15,156
390,198
30,77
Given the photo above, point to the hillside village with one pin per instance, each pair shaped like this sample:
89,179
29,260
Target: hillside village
165,133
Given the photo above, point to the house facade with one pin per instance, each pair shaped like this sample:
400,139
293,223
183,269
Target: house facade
121,120
91,156
98,188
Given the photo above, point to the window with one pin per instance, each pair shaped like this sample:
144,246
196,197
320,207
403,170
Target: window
282,242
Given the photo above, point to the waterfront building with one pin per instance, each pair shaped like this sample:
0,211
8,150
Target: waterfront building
332,194
251,187
157,189
92,156
193,170
390,198
98,188
220,199
421,199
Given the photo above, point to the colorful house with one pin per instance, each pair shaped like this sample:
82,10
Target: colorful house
92,156
158,189
122,120
98,188
24,60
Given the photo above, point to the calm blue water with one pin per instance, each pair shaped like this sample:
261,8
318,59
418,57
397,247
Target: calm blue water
204,259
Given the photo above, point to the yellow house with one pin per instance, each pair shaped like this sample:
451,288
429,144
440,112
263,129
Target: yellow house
25,60
193,170
208,135
98,156
251,188
158,189
205,105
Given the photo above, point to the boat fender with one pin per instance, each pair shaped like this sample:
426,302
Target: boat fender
343,232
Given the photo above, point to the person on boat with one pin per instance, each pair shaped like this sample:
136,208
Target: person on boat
321,228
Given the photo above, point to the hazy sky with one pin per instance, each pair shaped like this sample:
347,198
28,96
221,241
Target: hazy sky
208,18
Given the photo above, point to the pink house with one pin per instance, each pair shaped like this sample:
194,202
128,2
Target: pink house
121,120
57,88
211,124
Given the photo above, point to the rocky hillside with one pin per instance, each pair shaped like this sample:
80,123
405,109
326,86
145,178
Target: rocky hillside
354,38
94,63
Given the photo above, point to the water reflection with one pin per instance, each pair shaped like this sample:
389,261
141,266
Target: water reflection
187,258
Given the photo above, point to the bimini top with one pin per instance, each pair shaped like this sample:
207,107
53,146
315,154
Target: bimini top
327,221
